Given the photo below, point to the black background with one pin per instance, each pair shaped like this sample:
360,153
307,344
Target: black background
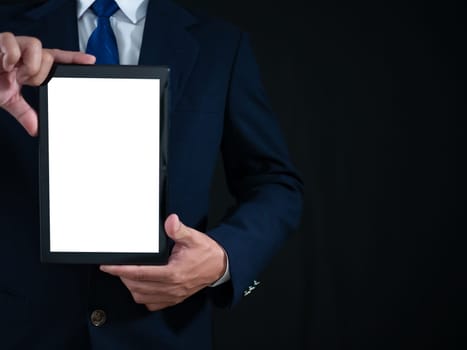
371,98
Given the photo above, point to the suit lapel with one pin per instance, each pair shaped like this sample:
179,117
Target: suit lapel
166,41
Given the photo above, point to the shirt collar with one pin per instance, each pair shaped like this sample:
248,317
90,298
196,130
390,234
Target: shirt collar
134,10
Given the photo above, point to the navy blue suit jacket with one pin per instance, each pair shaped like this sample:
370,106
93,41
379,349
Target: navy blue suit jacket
217,105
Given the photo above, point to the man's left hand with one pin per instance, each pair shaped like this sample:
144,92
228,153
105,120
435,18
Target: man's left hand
196,261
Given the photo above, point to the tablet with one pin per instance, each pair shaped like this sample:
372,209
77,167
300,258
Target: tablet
103,138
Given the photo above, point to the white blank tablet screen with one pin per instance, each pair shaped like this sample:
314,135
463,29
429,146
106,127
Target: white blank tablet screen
104,165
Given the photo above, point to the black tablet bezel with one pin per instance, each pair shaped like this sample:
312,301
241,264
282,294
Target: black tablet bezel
103,71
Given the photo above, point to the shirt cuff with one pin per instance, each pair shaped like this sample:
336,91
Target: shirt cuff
225,277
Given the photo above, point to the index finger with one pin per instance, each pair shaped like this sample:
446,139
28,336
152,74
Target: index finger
151,273
10,51
71,57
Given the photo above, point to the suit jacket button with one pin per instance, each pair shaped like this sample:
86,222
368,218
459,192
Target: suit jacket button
98,318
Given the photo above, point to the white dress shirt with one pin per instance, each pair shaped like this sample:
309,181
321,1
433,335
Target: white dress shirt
128,26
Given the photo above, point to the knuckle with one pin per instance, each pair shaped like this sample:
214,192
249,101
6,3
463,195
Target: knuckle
140,275
173,277
177,277
152,307
7,36
170,277
137,289
36,78
14,55
137,297
179,299
52,52
206,245
173,302
47,58
34,81
180,293
36,43
30,42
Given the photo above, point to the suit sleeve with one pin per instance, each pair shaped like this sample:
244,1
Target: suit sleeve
259,175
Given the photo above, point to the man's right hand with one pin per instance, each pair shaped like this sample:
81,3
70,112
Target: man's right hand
23,61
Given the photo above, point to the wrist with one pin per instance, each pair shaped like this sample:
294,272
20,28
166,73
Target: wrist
224,274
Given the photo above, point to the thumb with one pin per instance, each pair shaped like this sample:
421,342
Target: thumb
177,231
24,114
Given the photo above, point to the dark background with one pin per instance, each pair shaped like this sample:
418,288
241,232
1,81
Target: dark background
371,98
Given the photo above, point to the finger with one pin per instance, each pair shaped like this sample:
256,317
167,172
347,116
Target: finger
10,51
49,56
48,59
162,294
177,231
145,299
31,55
157,306
159,299
71,57
155,302
144,287
139,273
23,112
39,77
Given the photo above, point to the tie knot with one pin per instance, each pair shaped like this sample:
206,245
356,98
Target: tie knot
104,8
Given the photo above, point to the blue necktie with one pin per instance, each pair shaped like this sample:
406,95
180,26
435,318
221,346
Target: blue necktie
102,42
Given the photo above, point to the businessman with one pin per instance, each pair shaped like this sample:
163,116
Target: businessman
217,105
